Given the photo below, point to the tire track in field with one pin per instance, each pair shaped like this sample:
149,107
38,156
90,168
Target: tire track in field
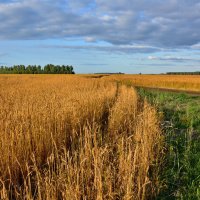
106,114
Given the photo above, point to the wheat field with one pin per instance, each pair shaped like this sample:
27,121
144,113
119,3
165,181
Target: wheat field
177,82
70,137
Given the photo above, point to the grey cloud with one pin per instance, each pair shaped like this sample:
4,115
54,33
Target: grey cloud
153,64
174,58
40,20
130,49
170,23
3,54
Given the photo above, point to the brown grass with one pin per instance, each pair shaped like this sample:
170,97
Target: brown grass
67,137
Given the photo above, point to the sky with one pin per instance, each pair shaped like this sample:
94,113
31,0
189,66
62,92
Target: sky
96,36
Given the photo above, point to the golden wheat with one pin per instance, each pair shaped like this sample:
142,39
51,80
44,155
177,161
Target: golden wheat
67,137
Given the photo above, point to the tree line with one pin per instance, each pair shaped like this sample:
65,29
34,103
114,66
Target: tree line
183,73
37,69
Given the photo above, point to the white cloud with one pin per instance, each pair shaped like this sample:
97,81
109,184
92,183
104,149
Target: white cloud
90,39
152,57
196,46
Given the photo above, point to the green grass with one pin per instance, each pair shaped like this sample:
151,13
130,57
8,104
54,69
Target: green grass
180,114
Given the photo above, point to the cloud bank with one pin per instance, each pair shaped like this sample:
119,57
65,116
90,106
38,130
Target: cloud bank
155,24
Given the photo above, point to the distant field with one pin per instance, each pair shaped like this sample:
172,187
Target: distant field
69,137
181,82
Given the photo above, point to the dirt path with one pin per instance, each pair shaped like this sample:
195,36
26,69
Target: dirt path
189,92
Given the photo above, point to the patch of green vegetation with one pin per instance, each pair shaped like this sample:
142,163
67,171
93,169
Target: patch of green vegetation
181,125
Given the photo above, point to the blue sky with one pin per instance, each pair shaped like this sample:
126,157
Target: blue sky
131,36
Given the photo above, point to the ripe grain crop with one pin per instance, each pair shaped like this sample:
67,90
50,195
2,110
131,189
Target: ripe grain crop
179,82
68,137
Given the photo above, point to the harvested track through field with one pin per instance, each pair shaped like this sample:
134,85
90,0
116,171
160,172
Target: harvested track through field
106,114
